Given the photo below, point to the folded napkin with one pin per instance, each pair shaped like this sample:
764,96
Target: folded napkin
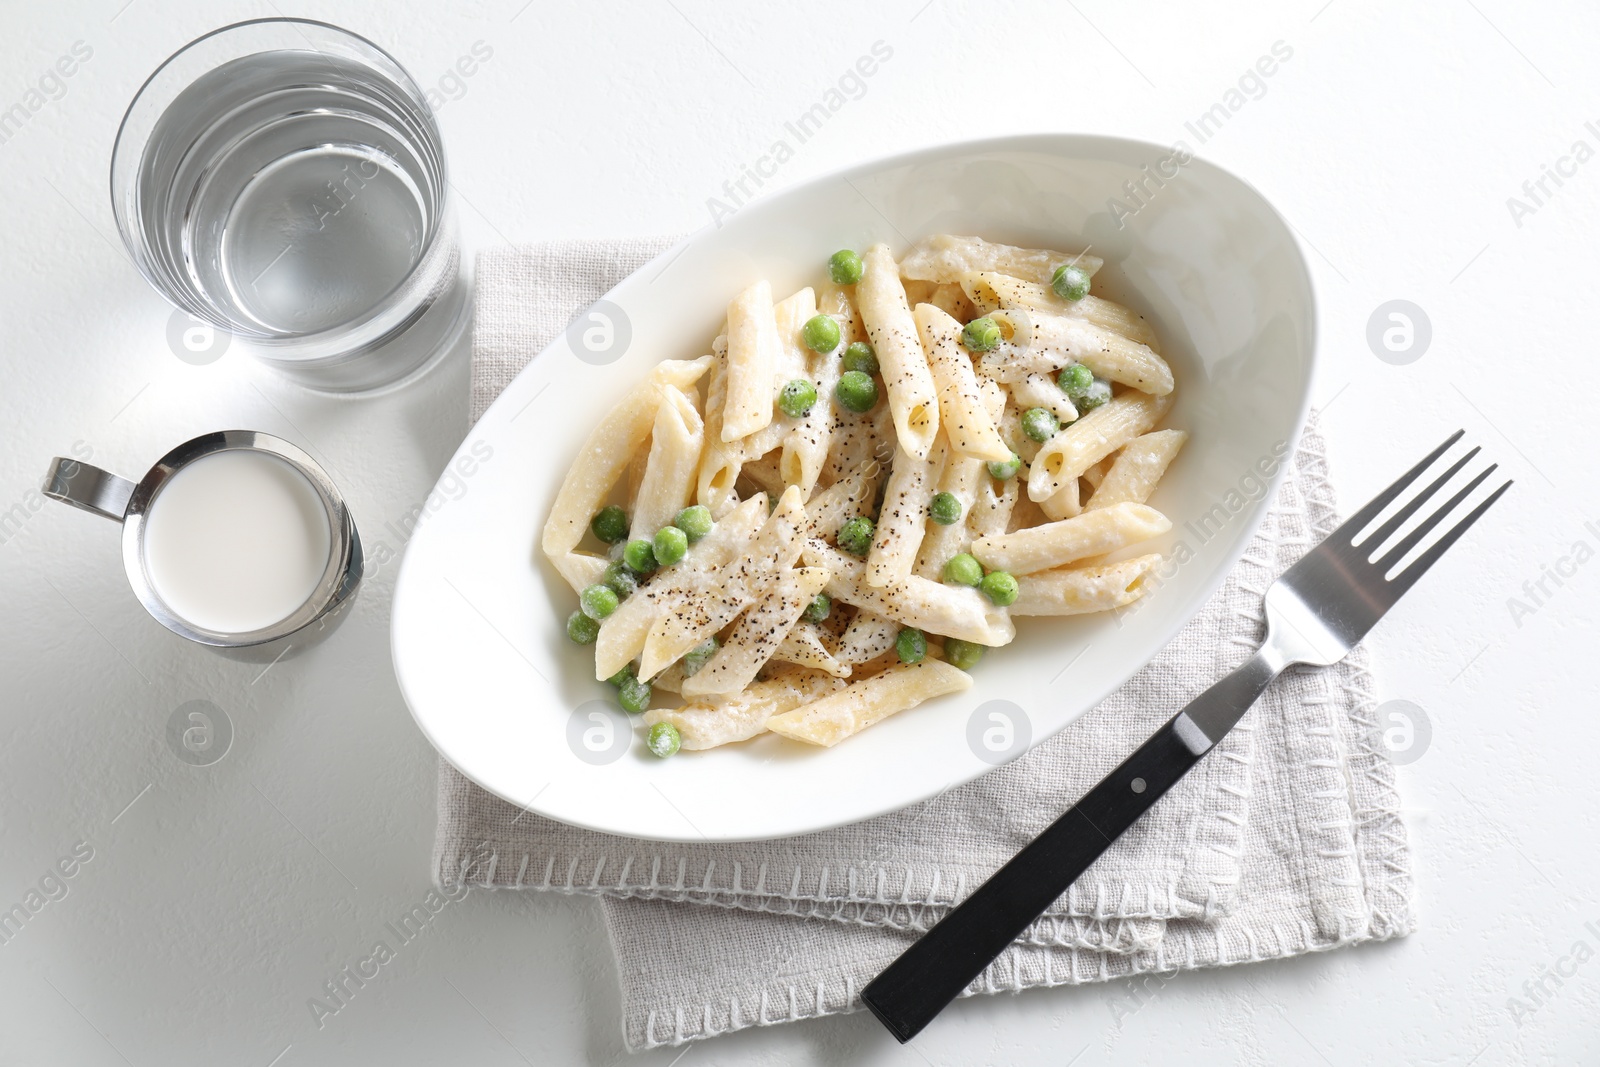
1286,839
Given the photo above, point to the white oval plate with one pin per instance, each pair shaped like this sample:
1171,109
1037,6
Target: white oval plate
478,626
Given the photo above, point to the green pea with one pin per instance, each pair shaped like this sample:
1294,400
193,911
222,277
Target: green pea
1005,469
633,695
626,674
640,557
1069,282
962,654
670,545
1097,394
911,645
944,509
796,398
981,335
999,587
855,536
694,521
582,629
697,656
610,524
663,739
858,355
845,267
819,608
1075,380
1040,424
856,391
820,333
963,569
597,601
620,580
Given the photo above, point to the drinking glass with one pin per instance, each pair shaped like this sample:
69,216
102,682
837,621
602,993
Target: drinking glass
284,180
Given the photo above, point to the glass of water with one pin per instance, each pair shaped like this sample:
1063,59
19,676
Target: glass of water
284,180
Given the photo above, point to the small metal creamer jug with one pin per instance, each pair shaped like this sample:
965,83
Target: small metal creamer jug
130,503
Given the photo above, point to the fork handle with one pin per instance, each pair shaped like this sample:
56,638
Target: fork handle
944,961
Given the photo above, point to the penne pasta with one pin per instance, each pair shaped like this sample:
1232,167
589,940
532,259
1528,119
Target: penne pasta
752,362
945,258
962,414
782,479
719,465
805,447
791,363
880,663
990,291
1138,467
669,680
951,610
866,638
1040,343
837,301
601,462
949,299
1092,438
634,475
804,646
709,721
757,634
671,465
1037,391
963,477
913,400
1057,543
623,633
1011,432
582,569
991,514
1116,318
764,475
1063,505
858,440
735,586
903,516
1079,590
852,709
840,502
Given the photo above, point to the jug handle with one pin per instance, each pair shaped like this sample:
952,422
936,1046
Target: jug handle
84,486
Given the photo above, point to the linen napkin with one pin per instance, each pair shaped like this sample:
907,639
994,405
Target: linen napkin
1286,839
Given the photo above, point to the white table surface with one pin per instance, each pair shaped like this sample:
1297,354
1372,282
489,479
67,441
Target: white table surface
219,899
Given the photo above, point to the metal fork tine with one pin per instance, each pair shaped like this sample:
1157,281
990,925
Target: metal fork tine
1358,522
1420,565
1398,519
1414,538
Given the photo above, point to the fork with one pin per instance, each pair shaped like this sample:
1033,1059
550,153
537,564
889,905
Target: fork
1316,613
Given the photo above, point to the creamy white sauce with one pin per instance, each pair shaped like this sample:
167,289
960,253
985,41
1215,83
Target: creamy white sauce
236,541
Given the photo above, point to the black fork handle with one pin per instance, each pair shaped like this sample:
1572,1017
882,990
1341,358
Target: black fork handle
943,962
